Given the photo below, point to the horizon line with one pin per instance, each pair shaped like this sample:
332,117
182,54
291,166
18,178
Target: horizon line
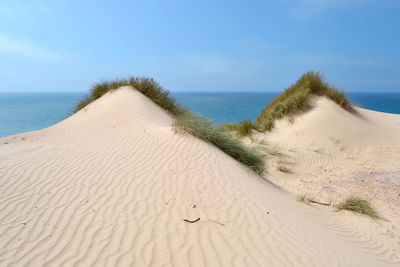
193,91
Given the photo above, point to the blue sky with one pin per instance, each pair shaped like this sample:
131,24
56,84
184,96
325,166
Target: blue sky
199,45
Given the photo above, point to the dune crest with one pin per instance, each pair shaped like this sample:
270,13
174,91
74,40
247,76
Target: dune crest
328,143
333,154
113,184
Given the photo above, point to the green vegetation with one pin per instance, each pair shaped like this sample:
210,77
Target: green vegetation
296,98
272,151
304,199
243,129
207,131
273,154
358,205
186,120
147,86
355,204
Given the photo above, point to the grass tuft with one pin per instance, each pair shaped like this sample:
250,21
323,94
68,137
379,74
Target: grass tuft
244,128
188,121
207,131
304,199
147,86
296,98
358,205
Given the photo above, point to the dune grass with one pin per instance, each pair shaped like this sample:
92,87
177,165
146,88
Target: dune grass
206,130
296,99
358,205
271,151
147,86
244,128
304,199
185,119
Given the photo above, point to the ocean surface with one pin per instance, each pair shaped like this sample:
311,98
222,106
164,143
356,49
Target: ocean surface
23,112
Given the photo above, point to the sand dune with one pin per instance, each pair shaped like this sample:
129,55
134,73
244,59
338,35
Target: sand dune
333,154
113,184
328,145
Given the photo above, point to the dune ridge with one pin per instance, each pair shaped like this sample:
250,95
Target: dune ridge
327,143
112,185
333,154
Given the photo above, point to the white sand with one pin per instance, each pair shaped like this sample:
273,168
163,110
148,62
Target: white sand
333,154
111,186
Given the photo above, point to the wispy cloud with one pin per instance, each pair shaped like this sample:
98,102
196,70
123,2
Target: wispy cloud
311,8
25,48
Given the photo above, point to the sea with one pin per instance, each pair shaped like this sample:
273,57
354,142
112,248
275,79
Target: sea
24,112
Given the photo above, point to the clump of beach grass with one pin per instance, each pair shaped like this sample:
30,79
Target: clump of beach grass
244,128
147,86
185,119
206,130
296,99
358,205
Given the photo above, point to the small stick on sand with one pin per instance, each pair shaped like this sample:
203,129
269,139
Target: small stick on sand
217,222
321,203
189,221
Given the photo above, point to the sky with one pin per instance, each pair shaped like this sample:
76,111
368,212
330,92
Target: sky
207,45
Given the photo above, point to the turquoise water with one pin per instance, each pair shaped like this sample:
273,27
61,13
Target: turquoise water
23,112
236,107
226,107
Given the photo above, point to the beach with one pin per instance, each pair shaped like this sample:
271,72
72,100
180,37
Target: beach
25,112
333,153
116,185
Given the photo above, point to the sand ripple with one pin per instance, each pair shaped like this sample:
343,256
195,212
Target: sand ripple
112,185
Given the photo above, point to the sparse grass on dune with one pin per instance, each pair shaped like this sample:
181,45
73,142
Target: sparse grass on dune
243,128
188,121
304,199
206,130
271,151
308,200
296,98
358,205
147,86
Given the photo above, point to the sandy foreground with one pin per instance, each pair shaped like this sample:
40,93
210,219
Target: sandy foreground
113,184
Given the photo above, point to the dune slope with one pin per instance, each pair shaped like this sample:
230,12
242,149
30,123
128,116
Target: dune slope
113,184
328,144
333,154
